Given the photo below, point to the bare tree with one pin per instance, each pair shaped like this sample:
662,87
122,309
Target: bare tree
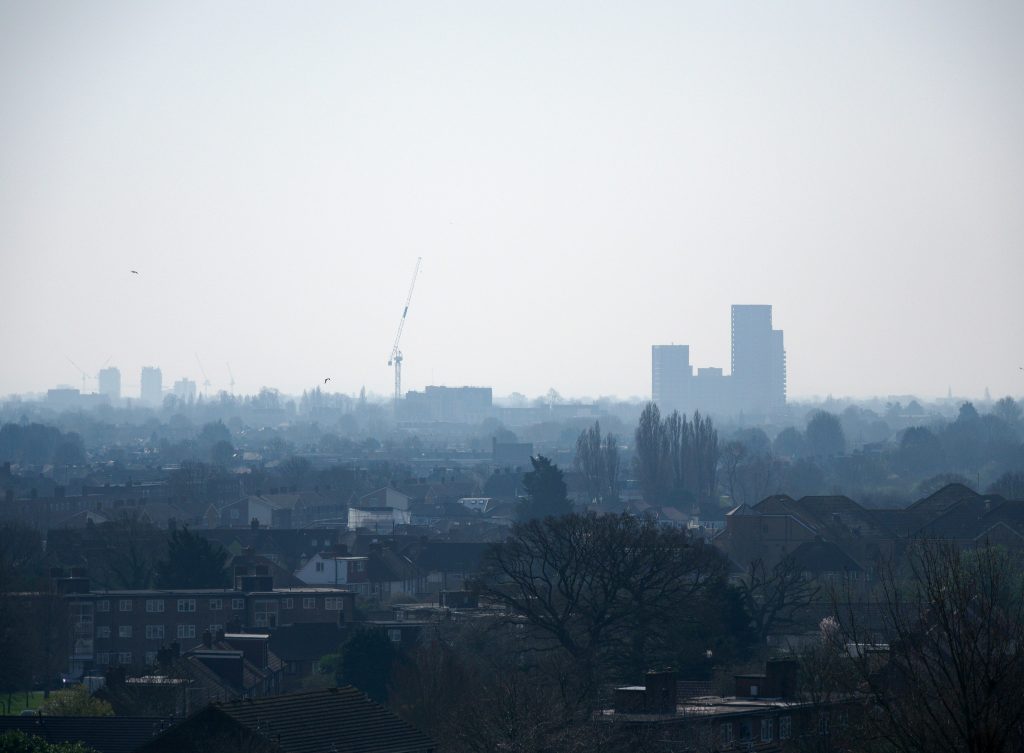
773,598
592,586
953,622
597,460
676,459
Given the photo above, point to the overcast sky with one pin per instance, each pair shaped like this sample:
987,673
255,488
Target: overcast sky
581,179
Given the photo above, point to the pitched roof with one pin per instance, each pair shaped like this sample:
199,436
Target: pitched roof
823,557
943,499
342,719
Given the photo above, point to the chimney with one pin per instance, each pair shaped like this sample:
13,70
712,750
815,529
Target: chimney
780,678
207,639
660,694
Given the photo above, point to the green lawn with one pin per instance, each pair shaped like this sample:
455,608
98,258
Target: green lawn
14,703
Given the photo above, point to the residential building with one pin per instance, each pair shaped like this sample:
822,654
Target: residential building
756,386
184,389
758,360
110,383
767,713
129,627
152,386
459,405
334,719
671,374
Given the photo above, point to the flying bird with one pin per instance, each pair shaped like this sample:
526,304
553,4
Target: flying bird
134,272
327,380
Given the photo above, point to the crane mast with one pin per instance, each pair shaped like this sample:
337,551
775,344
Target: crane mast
396,355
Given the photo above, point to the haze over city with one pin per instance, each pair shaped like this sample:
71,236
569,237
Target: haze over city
582,182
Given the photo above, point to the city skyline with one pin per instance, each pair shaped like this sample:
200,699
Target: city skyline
272,174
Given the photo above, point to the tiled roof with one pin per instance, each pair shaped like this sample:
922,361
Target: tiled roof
944,498
336,719
823,557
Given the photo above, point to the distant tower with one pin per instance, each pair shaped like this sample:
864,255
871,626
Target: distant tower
758,359
185,390
671,373
110,383
152,389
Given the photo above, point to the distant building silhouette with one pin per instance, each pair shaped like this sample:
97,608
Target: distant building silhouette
460,405
671,374
152,388
184,389
758,360
110,383
756,386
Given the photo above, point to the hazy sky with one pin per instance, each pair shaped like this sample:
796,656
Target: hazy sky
581,179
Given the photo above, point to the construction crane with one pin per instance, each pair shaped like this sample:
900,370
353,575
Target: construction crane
87,377
206,379
396,355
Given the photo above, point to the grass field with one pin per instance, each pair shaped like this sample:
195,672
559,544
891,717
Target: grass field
12,704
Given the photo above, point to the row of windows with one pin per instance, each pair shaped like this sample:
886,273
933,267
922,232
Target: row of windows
189,605
726,729
154,632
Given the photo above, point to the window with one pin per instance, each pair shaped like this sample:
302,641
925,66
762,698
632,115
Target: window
309,603
150,658
216,604
395,635
124,605
842,718
154,605
103,657
154,632
124,631
265,613
215,629
103,605
746,730
725,733
289,603
766,730
823,724
186,605
186,631
238,604
319,567
333,603
124,657
785,727
103,631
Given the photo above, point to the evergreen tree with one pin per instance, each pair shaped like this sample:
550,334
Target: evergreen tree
546,491
192,562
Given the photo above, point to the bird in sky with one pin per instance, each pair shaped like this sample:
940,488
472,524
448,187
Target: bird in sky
134,272
327,380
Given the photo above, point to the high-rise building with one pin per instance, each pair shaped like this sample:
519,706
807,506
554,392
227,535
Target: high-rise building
756,386
184,389
110,383
671,374
758,360
151,392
